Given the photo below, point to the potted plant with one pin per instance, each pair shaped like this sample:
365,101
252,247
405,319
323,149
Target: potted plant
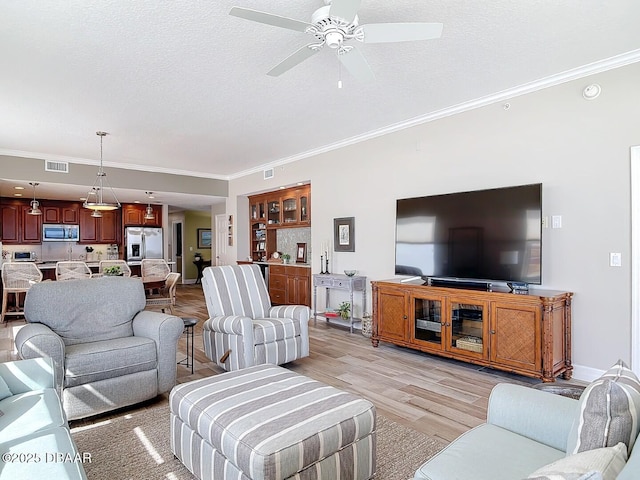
112,271
345,310
286,257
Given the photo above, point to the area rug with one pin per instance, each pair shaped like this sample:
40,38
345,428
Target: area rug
134,444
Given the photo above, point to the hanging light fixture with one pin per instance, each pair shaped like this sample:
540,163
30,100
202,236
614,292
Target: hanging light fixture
98,203
35,205
149,215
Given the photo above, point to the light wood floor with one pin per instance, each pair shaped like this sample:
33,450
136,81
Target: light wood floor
437,396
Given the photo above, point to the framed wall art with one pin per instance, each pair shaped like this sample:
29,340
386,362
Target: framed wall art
204,238
301,256
344,234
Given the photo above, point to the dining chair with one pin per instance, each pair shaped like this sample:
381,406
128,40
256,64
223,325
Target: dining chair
17,278
124,267
154,269
165,298
72,270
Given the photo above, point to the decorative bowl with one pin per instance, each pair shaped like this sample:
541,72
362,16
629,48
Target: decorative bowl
350,273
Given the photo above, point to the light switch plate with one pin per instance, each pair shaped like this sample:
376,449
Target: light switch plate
615,259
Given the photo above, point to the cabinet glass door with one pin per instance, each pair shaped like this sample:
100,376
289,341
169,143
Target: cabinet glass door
467,327
428,320
273,212
289,210
304,209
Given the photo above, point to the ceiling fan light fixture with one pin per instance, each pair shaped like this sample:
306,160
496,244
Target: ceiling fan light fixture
35,205
334,39
98,188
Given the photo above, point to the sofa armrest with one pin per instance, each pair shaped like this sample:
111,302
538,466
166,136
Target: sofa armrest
26,375
297,312
164,330
230,325
36,340
632,467
540,416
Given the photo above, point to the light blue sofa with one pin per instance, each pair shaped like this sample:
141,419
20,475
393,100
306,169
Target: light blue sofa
526,429
35,441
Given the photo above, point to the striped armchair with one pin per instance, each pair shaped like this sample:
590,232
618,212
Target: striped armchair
243,328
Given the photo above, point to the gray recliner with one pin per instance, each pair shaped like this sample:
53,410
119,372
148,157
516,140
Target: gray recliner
107,351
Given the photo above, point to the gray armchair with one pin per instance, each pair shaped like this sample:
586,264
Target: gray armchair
243,328
107,351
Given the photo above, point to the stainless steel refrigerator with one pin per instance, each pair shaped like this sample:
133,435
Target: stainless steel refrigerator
143,242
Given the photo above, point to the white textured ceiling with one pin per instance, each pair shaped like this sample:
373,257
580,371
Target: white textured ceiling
181,86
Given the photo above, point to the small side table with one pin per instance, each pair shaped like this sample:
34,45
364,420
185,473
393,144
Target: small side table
189,325
201,265
339,282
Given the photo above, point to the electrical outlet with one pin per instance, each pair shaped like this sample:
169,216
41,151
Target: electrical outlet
615,259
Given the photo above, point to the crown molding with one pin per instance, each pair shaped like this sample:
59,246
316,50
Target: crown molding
546,82
124,166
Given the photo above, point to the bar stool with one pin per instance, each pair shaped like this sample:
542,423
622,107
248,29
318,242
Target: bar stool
189,325
17,278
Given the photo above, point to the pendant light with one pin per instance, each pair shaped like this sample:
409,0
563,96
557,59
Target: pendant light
149,215
35,205
98,203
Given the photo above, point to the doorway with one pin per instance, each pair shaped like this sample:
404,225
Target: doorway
176,242
222,224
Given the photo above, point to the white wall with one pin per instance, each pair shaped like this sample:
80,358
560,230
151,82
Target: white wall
578,149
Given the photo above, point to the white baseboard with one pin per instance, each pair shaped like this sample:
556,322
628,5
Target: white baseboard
586,374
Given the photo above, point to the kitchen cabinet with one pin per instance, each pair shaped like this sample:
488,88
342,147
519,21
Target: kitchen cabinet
18,227
105,229
61,213
289,285
133,215
527,334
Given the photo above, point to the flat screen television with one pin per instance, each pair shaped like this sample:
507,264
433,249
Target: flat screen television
484,235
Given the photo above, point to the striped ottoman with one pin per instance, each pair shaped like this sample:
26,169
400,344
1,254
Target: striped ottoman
266,422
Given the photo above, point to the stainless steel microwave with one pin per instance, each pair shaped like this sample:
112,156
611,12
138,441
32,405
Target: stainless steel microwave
60,233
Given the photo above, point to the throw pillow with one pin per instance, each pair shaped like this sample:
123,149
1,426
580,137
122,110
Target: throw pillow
5,391
608,413
608,462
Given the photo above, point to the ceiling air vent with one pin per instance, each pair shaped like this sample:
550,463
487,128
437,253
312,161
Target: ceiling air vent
268,174
58,167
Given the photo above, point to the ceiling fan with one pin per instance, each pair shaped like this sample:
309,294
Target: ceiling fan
334,25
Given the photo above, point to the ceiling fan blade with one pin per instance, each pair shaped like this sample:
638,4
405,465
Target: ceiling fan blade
292,60
270,19
400,32
357,65
345,9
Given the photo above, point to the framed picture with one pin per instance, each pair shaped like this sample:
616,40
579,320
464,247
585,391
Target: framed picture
344,234
204,238
301,257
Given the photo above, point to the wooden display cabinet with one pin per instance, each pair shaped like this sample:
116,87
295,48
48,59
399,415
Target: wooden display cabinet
525,334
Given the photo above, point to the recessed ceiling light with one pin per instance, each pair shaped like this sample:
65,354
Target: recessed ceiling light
281,188
18,188
83,199
136,201
17,194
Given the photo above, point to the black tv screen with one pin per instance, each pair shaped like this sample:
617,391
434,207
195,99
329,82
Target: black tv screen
488,235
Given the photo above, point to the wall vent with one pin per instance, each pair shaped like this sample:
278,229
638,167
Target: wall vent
58,167
268,174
